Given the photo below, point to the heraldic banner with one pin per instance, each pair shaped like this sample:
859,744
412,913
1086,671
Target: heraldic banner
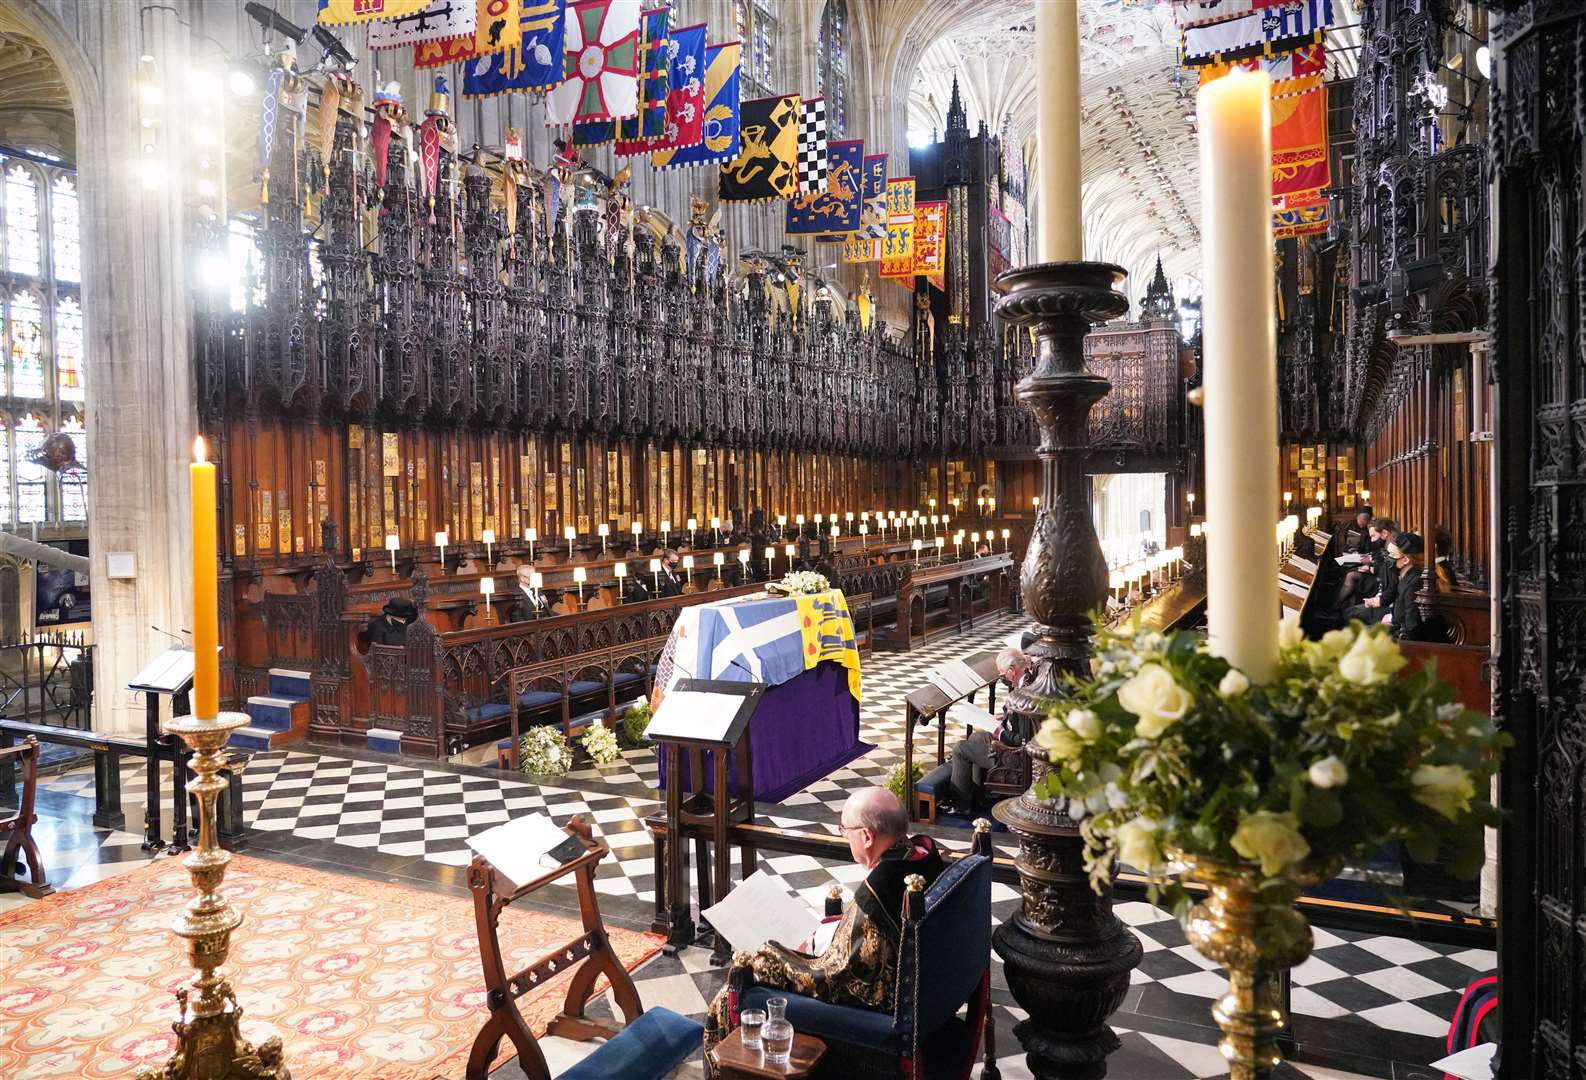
1299,142
721,141
865,246
766,166
836,209
536,63
897,250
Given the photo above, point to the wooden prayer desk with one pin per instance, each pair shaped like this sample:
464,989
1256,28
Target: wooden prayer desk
590,955
930,702
737,1062
959,576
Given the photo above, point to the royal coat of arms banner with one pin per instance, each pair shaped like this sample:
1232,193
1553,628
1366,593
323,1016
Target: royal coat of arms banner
930,241
600,80
1268,30
813,155
837,207
496,28
536,64
865,247
1299,142
721,142
346,12
765,167
897,250
435,21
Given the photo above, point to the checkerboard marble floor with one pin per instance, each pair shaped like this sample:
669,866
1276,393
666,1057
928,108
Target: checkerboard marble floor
1363,1005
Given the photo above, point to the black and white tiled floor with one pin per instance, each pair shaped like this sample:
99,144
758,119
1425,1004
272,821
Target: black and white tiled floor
1364,1005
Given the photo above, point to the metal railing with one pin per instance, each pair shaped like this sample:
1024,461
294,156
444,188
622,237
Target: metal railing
48,678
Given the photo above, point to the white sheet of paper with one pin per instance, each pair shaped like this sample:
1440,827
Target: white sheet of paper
514,847
1293,588
955,678
1350,559
1304,564
963,712
761,910
1472,1064
690,714
822,938
166,673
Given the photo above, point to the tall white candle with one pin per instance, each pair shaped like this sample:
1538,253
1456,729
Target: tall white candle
1239,328
1057,129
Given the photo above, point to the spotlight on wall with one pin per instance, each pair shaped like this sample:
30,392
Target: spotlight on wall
1484,61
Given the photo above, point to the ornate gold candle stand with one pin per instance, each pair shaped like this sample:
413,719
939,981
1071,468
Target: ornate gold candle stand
210,1045
1066,955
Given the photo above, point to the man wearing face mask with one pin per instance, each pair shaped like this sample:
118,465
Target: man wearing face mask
671,573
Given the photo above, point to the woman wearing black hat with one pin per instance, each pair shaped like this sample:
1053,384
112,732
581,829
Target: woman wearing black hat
1408,553
390,627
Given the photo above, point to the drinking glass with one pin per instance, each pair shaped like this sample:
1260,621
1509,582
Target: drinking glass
749,1021
777,1041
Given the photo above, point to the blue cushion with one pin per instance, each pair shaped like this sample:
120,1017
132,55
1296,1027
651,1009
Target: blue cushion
933,781
538,699
647,1049
490,710
580,687
623,678
844,1023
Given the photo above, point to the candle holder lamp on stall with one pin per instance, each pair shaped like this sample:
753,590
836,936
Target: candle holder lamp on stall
1066,956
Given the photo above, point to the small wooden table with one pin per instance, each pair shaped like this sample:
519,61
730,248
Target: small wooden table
735,1062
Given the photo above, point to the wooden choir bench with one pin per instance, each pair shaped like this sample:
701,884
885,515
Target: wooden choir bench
932,600
585,686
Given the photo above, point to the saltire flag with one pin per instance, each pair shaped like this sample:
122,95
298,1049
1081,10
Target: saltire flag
496,29
1290,72
536,64
345,12
721,142
1299,142
813,156
435,21
639,134
765,167
897,250
1200,12
688,93
836,208
600,80
930,241
1267,30
865,247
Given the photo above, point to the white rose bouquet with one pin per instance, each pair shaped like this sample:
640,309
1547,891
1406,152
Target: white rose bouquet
801,583
545,751
1166,754
600,743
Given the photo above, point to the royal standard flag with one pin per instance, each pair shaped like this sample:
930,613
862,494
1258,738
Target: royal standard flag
835,208
765,167
930,241
897,250
535,64
721,142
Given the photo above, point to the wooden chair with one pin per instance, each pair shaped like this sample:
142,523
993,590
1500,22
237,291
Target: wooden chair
18,828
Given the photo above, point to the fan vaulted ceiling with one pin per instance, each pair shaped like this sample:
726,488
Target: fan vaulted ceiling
35,107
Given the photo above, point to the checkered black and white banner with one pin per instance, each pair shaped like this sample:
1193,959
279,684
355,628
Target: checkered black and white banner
813,162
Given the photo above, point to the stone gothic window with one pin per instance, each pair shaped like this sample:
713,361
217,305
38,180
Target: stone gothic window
43,348
831,71
756,22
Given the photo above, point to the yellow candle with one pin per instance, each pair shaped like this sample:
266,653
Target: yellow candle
1057,129
1239,327
206,580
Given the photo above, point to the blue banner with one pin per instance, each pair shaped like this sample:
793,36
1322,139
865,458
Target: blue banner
537,62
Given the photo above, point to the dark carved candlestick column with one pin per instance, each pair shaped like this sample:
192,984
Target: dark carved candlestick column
1067,957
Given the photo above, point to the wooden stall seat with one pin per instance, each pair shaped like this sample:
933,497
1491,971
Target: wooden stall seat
932,600
570,691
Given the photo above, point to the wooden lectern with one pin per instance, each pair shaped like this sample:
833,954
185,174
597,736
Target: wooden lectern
717,743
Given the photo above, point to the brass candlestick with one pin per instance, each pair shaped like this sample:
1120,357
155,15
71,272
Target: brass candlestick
210,1045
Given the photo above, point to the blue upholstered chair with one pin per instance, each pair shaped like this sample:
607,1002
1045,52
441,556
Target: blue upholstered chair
944,964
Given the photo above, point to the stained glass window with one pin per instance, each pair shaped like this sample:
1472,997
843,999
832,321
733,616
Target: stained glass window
756,24
65,231
831,70
5,469
74,484
25,326
31,479
69,350
22,221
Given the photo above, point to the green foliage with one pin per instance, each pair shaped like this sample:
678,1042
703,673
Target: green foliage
1165,754
895,782
635,722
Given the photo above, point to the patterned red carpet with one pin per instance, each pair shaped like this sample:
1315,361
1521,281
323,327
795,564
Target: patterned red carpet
359,979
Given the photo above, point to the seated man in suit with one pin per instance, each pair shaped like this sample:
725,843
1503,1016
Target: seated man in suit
1366,578
859,967
671,576
975,754
530,602
390,627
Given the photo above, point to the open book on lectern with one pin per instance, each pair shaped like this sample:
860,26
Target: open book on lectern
705,710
